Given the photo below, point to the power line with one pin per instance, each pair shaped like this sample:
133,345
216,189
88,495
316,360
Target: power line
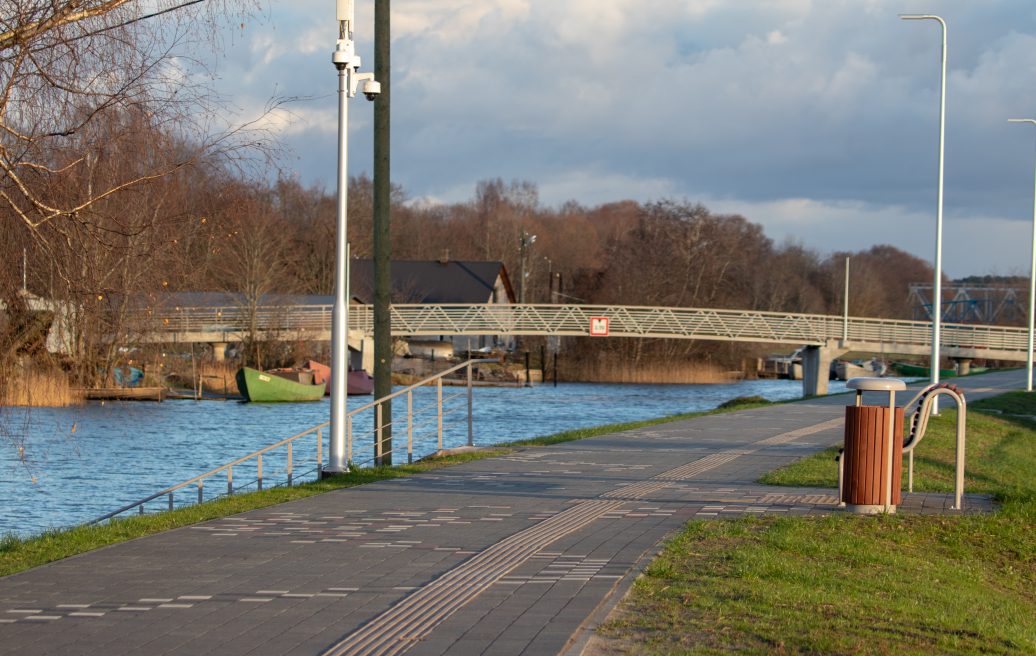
138,19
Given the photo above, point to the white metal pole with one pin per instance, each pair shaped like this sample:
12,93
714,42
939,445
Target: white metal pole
1032,295
521,248
845,309
1032,298
342,59
937,300
1032,277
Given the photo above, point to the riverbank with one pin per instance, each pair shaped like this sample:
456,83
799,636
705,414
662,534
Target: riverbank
88,460
20,553
546,533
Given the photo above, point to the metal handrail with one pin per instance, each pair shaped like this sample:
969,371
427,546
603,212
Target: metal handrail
257,455
228,467
408,392
423,383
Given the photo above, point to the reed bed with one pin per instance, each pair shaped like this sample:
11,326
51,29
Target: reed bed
38,388
218,377
645,373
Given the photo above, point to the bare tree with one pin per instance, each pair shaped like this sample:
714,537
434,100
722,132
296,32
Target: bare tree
255,264
84,84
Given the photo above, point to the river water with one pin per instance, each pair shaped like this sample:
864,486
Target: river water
82,462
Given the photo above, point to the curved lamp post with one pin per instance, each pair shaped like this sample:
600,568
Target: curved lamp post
937,300
1032,278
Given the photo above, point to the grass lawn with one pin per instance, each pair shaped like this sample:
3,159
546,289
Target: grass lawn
858,585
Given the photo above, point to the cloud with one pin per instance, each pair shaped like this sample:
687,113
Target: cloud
762,102
288,121
854,226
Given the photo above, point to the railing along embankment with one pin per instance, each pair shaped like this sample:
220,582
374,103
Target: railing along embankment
433,419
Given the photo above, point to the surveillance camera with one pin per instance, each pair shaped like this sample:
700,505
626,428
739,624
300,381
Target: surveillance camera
371,89
340,58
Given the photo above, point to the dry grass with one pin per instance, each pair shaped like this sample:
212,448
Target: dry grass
218,377
38,388
645,373
215,377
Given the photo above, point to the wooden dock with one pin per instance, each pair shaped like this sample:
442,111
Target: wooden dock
123,394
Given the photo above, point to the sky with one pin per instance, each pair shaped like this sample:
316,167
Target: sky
816,119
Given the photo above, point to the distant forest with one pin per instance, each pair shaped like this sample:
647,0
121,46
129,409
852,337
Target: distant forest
122,175
203,228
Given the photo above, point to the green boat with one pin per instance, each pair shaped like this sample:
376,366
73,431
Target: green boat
920,371
278,385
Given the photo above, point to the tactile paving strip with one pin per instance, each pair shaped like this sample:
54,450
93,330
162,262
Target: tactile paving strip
396,630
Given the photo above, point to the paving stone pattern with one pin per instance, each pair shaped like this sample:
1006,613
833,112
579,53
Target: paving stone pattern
519,554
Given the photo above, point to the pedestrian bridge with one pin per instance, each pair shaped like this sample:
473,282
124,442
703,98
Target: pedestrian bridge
826,337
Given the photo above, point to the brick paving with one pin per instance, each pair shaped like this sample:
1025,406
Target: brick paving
519,554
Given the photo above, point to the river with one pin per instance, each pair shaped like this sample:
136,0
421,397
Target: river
82,462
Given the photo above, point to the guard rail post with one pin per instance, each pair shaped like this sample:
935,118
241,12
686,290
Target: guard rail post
471,434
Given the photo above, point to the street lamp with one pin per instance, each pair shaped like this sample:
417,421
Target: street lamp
937,301
526,241
346,62
1032,278
550,279
845,304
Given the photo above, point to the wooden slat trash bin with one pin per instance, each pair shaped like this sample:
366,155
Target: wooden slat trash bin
873,454
866,437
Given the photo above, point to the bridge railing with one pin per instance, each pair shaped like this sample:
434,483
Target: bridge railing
235,318
574,320
433,419
731,325
919,333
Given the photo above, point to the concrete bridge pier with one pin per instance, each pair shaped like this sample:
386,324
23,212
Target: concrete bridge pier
361,351
816,367
219,351
963,366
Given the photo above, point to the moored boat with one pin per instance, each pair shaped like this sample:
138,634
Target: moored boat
358,383
278,385
845,369
920,371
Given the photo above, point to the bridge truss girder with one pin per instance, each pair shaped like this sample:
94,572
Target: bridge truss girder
880,335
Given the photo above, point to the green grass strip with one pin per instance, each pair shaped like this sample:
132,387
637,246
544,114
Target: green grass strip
837,585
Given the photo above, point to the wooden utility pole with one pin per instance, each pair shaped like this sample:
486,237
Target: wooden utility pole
382,245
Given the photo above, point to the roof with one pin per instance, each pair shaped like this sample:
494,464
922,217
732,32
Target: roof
413,281
434,281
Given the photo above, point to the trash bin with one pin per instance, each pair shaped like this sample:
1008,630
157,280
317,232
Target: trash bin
872,456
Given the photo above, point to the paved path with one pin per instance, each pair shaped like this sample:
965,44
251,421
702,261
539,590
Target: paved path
517,554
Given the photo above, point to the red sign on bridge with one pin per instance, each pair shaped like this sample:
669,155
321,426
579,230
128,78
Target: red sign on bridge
598,326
